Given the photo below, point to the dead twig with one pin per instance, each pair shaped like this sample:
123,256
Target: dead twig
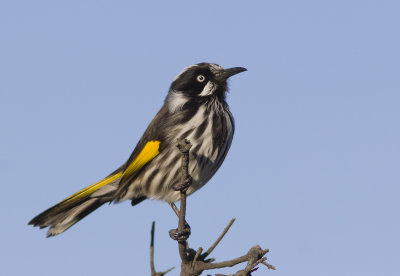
212,247
194,262
152,267
183,232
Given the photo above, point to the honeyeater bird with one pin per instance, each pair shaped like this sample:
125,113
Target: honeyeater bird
194,109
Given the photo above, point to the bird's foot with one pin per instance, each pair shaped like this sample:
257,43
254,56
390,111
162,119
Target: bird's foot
183,185
183,235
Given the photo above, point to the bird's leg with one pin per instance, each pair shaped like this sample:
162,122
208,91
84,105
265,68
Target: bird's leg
175,233
174,208
176,211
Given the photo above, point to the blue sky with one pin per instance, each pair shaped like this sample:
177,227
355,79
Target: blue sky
313,172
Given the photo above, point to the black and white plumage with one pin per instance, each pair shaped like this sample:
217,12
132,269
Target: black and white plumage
194,109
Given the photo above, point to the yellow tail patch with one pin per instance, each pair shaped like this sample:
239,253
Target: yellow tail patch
91,189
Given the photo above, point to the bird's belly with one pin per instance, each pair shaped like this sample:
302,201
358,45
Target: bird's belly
160,177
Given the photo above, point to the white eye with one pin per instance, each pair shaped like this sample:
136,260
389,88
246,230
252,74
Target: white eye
200,78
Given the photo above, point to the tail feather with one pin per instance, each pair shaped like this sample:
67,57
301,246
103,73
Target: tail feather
63,215
60,220
75,214
72,209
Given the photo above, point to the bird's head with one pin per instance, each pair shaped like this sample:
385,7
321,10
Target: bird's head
200,82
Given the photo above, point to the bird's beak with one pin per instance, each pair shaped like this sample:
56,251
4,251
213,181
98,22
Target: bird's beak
227,73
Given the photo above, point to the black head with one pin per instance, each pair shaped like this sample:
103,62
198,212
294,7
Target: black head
203,80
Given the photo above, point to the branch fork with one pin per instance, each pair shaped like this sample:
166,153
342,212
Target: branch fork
195,262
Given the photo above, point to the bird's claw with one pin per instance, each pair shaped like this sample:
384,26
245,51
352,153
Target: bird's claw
184,185
183,235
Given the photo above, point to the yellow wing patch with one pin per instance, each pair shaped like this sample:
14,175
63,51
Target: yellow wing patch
149,151
91,189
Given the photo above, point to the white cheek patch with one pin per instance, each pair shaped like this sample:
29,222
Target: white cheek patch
208,89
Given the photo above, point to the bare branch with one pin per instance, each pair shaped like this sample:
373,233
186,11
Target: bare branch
176,210
182,233
152,267
194,262
254,253
198,253
212,247
269,266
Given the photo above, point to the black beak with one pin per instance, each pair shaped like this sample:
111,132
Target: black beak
227,73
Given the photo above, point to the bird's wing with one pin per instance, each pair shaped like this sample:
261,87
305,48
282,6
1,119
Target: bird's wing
148,147
145,155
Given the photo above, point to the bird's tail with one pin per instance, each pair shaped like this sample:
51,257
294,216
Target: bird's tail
63,215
